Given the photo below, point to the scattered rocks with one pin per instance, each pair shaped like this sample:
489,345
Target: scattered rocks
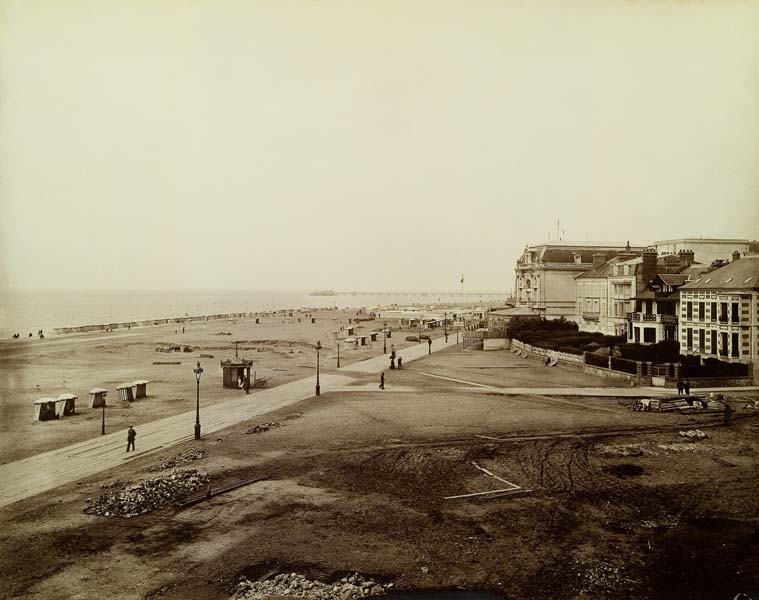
693,434
624,450
601,577
148,495
263,427
184,457
295,585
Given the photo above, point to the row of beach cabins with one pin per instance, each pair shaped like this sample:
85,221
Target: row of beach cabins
46,409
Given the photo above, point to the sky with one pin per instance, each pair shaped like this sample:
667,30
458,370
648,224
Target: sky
373,145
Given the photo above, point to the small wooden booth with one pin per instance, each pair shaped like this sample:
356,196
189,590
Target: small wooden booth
373,336
44,409
351,343
234,371
125,392
140,388
97,397
362,340
65,405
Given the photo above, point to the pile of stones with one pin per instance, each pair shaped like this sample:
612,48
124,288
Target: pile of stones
351,587
148,495
263,427
186,456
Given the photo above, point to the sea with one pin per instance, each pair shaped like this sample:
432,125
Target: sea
25,311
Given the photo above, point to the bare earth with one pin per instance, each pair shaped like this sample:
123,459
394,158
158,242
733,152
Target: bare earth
357,483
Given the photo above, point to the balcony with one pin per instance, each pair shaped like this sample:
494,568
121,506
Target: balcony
653,318
590,316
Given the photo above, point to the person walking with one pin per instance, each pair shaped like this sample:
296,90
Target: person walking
429,345
687,388
131,435
400,362
382,381
728,414
679,387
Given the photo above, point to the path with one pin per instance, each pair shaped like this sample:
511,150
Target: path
42,472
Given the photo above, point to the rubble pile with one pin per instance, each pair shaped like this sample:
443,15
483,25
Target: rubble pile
263,427
148,495
693,434
184,457
602,577
348,588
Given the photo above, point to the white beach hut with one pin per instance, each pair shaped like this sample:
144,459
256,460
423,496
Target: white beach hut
140,388
125,392
97,397
44,409
65,405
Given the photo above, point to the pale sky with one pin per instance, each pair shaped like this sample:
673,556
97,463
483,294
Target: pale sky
373,144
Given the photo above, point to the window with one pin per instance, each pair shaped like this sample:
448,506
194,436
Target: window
701,339
714,341
723,349
734,317
629,330
649,335
713,314
689,311
690,338
723,312
735,348
701,311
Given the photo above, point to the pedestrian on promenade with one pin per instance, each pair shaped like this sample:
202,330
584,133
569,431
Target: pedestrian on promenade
429,345
182,329
400,362
687,388
131,434
728,414
446,337
382,381
679,387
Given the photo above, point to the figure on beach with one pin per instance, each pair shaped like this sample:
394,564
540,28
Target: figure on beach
131,435
687,388
679,387
382,381
429,345
400,362
728,414
392,358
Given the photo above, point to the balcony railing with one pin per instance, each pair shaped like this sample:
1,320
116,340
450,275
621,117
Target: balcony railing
631,316
649,317
590,316
653,318
668,319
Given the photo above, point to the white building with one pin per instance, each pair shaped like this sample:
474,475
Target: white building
705,250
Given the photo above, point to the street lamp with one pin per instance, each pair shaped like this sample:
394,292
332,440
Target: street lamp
102,429
445,325
198,372
318,349
338,354
384,337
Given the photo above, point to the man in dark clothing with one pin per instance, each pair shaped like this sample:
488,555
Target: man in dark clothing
382,381
687,388
400,362
679,387
728,414
131,434
429,345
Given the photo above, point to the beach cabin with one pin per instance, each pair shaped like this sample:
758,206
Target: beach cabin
140,388
362,340
44,409
349,330
373,336
125,392
65,405
336,335
97,397
351,343
233,370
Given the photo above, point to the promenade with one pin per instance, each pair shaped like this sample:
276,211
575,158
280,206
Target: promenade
42,472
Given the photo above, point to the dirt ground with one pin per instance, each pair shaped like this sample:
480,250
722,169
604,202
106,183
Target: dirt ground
620,505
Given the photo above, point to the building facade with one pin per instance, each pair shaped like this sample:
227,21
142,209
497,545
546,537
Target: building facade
719,313
705,250
545,275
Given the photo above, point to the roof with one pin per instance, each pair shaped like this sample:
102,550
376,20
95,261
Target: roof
235,362
518,311
605,269
67,397
98,390
699,240
673,279
44,400
741,274
567,255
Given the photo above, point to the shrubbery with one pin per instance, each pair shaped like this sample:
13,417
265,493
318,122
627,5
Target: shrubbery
662,352
559,335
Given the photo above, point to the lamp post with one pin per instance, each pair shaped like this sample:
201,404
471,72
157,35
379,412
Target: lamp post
318,349
384,338
445,325
198,372
338,354
102,429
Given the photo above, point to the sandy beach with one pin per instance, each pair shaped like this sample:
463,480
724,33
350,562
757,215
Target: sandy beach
283,349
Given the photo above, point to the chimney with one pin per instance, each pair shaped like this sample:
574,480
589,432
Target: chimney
736,255
649,266
578,258
599,258
686,258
